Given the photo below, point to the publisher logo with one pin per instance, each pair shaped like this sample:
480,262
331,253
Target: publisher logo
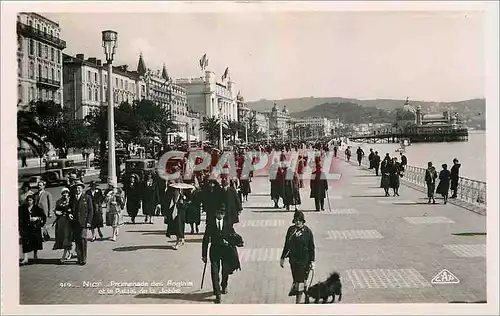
445,277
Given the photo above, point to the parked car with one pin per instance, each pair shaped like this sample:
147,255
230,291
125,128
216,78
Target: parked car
57,171
140,167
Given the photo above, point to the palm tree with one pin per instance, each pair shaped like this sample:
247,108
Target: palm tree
233,127
210,126
30,132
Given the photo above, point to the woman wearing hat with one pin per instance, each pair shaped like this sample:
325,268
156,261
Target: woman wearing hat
25,191
443,187
31,220
97,200
150,198
133,192
114,208
64,228
300,251
177,219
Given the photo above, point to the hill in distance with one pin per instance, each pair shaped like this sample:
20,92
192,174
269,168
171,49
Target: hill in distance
375,110
301,104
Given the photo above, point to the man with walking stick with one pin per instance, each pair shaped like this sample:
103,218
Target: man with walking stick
223,253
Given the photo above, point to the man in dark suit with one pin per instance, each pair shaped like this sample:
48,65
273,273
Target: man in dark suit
376,162
231,201
319,186
222,253
82,211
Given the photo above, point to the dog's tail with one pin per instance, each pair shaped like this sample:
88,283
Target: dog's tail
334,277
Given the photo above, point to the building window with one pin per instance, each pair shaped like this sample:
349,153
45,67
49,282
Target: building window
30,22
88,76
32,70
58,56
46,51
105,79
20,43
116,84
39,49
53,96
105,95
46,72
59,75
95,77
39,71
51,33
45,30
52,74
52,54
58,96
20,68
31,94
20,93
96,95
90,94
32,47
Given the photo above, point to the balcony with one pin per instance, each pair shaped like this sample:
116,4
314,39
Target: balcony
39,35
49,83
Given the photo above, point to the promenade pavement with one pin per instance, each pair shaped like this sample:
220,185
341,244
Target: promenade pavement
386,249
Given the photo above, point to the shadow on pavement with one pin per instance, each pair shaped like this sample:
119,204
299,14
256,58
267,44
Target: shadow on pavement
469,234
475,302
258,207
134,248
48,261
149,232
192,297
284,212
371,196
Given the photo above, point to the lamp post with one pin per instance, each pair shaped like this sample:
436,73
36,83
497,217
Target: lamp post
246,131
221,145
109,43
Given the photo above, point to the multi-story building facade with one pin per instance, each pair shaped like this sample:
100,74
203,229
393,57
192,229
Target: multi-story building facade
209,97
314,126
280,121
39,59
86,84
262,121
161,89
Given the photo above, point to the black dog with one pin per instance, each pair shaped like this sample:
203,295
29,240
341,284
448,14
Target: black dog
323,290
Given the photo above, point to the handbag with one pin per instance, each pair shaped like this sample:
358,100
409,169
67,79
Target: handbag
45,234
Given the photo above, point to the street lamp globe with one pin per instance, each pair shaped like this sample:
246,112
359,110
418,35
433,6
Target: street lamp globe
109,43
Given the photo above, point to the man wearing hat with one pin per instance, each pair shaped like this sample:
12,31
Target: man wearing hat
82,216
222,253
300,250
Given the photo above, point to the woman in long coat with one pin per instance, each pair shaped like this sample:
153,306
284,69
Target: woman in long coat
177,219
319,187
300,250
97,200
133,192
444,182
31,220
150,199
291,191
275,177
385,181
64,226
394,174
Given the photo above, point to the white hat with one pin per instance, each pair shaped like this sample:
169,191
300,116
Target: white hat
182,186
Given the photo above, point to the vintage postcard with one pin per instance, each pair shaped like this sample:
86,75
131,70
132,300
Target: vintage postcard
250,157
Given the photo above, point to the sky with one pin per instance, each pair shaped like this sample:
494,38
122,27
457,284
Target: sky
428,56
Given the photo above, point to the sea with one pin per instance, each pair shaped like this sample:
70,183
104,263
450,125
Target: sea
471,154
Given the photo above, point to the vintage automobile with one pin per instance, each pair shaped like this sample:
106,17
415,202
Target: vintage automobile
121,156
139,167
58,170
